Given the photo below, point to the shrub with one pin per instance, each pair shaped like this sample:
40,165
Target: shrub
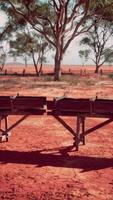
111,76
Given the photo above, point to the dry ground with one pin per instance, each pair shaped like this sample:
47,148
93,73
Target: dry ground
39,162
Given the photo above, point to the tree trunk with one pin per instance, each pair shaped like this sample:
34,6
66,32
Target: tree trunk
36,69
35,65
2,67
57,69
41,63
97,69
25,62
40,70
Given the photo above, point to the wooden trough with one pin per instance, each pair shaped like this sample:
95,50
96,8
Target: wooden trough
80,108
19,105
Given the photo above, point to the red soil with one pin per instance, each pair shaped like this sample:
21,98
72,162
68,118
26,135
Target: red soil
39,162
50,68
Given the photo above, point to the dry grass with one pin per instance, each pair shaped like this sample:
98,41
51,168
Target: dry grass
47,80
70,85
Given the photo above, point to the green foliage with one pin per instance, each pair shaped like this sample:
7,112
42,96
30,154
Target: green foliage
85,41
103,8
2,59
84,54
58,21
110,76
98,40
3,56
108,54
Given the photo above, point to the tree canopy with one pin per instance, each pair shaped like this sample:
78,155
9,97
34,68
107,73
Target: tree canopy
103,8
98,39
58,21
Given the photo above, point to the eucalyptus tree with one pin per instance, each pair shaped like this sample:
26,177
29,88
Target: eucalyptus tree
103,8
29,45
84,55
19,47
99,40
3,56
3,45
58,21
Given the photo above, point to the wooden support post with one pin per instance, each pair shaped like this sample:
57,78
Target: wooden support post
83,130
77,137
0,122
0,130
6,128
80,127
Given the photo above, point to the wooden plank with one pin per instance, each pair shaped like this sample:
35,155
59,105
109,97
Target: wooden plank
5,103
33,111
102,106
73,105
51,105
29,102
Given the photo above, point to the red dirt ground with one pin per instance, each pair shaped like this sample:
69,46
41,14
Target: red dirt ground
39,161
18,68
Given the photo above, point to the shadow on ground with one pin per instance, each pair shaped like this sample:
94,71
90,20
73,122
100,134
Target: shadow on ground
59,158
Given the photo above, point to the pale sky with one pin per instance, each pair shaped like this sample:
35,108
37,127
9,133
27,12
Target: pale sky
3,19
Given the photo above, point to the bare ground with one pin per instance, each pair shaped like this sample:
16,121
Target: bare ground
39,161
